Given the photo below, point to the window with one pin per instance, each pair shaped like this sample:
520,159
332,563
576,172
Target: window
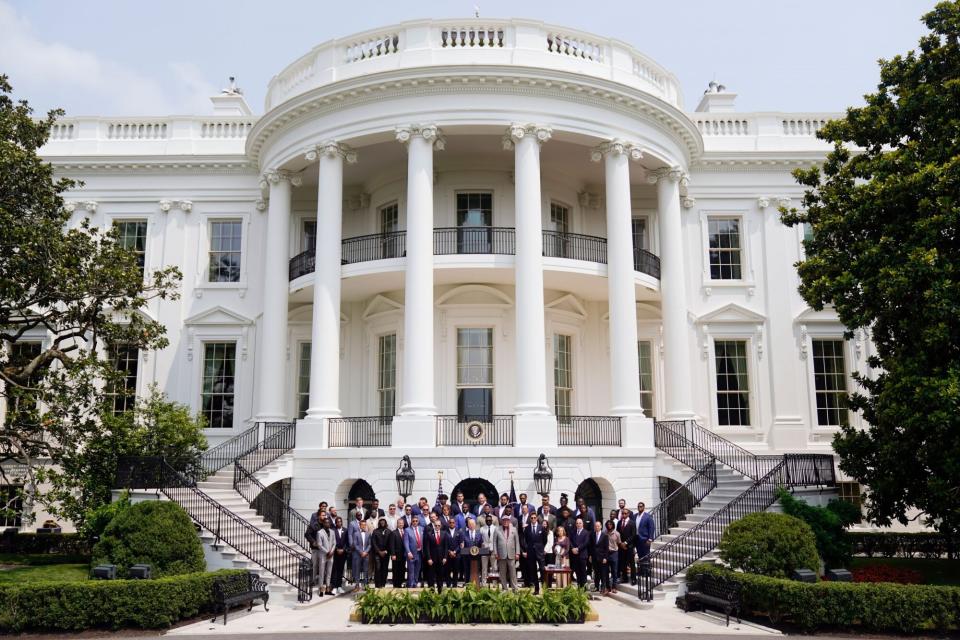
830,383
308,236
391,242
807,232
733,383
387,375
219,369
644,355
559,218
562,375
303,381
133,237
725,252
126,360
474,209
851,492
11,505
21,353
474,373
225,247
639,228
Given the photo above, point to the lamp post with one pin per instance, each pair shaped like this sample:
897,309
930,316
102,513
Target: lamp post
405,478
543,475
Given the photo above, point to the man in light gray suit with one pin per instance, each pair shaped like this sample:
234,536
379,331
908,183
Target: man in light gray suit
506,547
360,543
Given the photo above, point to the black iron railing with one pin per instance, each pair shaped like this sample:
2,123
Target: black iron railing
471,431
574,246
670,437
280,559
226,452
474,240
646,262
589,431
368,431
278,439
728,453
376,246
271,507
303,263
683,500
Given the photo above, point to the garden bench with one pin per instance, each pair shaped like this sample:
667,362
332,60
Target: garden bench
712,591
240,588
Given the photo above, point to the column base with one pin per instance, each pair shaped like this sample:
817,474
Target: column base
535,430
681,415
638,434
414,432
789,434
312,433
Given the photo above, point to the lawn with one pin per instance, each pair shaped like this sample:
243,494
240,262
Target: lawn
45,573
933,570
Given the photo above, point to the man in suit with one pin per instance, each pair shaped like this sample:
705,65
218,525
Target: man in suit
628,538
375,510
341,551
487,530
534,543
587,513
316,516
621,505
506,547
600,554
545,503
360,545
398,553
359,508
646,532
503,506
459,505
422,509
453,553
481,503
413,547
436,543
380,548
579,550
470,538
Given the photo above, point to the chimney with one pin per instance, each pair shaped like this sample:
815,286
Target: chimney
716,99
231,102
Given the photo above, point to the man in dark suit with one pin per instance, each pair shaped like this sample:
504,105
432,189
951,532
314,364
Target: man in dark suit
381,548
628,539
481,503
646,531
413,547
341,551
587,513
579,550
621,505
533,542
375,510
436,544
600,555
545,502
459,505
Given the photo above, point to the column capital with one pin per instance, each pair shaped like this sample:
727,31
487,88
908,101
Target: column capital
673,174
616,147
763,202
783,201
517,131
331,148
429,132
275,176
688,202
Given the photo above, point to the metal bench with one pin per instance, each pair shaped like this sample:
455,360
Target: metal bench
240,588
715,592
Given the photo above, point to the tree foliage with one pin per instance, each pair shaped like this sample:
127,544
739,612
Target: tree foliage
885,253
68,291
771,544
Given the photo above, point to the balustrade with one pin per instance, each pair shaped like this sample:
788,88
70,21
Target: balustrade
475,431
373,431
589,431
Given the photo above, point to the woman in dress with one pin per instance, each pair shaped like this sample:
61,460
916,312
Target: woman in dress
561,549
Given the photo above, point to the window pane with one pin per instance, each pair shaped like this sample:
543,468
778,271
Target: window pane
219,362
733,383
474,209
133,237
303,380
309,236
830,382
644,355
559,218
562,375
724,252
389,218
387,374
639,233
21,354
126,360
475,371
225,241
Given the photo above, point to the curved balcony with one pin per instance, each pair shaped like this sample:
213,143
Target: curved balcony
473,241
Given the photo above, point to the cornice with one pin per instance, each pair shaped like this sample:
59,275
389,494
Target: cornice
757,161
512,80
154,164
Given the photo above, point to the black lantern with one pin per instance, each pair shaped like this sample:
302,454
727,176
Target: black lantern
543,476
405,477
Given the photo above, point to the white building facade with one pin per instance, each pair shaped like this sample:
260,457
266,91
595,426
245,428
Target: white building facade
471,243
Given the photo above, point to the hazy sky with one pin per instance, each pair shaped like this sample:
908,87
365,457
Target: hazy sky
100,57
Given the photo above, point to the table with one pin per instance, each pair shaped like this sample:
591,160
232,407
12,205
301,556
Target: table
561,574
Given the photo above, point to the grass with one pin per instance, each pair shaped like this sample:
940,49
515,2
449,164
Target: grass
45,573
36,559
934,570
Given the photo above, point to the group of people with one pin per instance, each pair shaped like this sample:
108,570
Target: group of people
418,545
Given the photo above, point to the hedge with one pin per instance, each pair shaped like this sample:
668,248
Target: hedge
920,544
70,544
472,605
106,604
884,607
771,544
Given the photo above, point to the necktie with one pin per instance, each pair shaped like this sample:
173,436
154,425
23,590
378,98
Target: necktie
418,538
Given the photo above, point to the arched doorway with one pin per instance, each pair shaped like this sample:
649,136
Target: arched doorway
678,508
473,487
360,489
589,490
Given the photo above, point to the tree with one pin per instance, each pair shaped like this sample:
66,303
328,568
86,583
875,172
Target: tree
68,293
885,253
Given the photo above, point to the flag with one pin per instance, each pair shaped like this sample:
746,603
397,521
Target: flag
439,492
514,504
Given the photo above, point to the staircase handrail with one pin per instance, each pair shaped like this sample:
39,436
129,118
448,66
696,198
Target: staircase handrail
686,497
280,559
275,509
218,457
282,439
670,437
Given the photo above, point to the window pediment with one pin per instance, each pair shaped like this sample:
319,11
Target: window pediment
218,316
731,314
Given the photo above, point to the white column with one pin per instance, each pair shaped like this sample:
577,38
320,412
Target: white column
325,336
535,424
673,296
272,401
415,424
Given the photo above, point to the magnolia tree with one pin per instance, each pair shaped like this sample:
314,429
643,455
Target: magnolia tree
885,253
69,294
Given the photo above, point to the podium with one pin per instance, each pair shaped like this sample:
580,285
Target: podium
474,554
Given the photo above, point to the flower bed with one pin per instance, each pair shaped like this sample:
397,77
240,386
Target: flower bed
886,573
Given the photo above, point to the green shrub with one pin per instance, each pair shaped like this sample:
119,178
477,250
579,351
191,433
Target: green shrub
96,520
106,604
157,533
67,544
829,526
904,544
892,608
473,605
771,544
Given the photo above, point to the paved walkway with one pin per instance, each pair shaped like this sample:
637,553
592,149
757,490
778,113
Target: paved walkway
332,615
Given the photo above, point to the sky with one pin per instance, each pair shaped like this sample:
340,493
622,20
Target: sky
132,57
